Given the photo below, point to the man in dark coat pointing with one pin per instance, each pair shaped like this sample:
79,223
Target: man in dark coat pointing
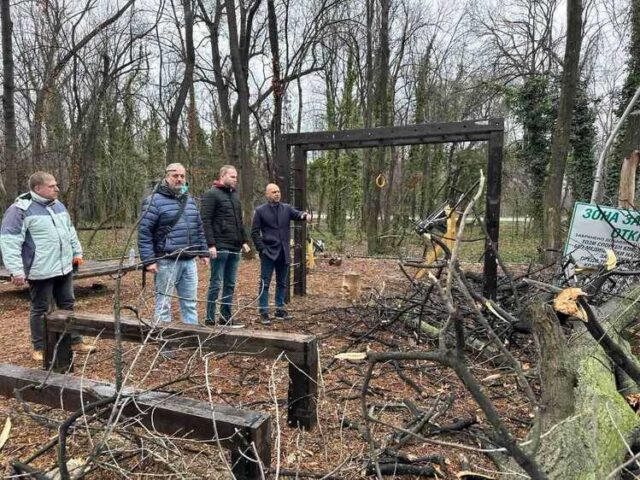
270,233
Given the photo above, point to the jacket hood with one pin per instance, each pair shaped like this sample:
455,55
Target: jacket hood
23,201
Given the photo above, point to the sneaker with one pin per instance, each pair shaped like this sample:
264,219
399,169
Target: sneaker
283,315
232,324
210,323
37,355
83,348
264,319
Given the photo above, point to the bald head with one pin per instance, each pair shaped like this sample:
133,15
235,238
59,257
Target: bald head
272,192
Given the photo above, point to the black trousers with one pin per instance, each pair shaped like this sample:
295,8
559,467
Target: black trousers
44,293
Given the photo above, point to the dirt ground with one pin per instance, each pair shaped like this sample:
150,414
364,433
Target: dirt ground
335,446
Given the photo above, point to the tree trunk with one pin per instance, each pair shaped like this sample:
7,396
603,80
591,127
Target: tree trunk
9,188
382,119
239,52
585,421
187,82
562,131
367,102
229,129
278,87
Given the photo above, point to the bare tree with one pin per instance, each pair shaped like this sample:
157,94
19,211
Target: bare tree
187,80
8,188
562,130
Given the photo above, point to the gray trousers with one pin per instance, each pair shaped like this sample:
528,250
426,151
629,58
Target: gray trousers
44,293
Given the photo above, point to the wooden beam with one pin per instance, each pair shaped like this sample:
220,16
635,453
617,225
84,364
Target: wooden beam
300,349
492,213
161,412
421,133
90,268
490,130
397,142
300,228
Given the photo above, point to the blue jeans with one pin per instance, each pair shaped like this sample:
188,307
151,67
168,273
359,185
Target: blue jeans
224,270
180,276
267,266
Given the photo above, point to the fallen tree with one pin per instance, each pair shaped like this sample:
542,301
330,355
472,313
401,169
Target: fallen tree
586,426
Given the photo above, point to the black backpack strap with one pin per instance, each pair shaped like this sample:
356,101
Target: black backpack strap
176,219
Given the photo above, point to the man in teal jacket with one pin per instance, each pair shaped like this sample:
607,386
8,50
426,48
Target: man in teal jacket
40,246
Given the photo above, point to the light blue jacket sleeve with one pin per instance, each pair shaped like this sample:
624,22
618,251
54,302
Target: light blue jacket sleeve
75,241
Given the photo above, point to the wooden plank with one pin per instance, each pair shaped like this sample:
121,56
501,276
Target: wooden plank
90,268
445,132
300,349
303,390
161,412
299,228
492,214
397,142
264,343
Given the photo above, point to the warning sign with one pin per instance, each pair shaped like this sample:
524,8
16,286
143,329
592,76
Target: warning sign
595,228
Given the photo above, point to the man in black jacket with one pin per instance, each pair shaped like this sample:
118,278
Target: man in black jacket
270,233
226,237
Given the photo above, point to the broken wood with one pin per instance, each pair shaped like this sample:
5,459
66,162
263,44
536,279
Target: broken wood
240,431
351,286
627,187
301,350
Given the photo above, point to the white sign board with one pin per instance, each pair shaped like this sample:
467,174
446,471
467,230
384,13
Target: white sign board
596,228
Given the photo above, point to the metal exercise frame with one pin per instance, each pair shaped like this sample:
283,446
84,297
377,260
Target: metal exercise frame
292,181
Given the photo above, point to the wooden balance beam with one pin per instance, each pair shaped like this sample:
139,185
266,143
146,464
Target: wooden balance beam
301,350
240,431
90,268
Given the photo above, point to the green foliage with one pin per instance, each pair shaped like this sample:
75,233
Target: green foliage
337,173
580,164
121,173
533,105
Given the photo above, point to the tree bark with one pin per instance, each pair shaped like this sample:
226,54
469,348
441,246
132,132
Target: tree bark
381,114
229,130
187,82
562,131
239,52
585,420
9,189
278,87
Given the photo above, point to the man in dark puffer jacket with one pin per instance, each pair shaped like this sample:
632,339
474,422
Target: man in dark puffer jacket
170,237
226,236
